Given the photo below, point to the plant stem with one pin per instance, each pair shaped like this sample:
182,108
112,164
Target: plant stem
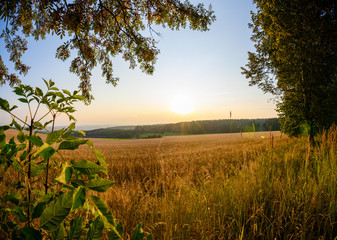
29,170
47,170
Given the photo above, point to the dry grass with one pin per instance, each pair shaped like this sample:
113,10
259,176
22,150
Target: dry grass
223,186
160,182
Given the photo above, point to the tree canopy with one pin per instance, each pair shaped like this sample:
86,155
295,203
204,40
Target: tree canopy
296,60
97,30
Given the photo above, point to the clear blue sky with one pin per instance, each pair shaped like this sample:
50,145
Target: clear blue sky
203,67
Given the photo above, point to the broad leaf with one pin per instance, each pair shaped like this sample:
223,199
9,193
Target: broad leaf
103,209
101,160
38,209
76,229
56,212
21,137
4,105
16,125
117,233
38,92
29,233
20,214
23,100
2,138
65,175
38,169
54,137
59,233
86,167
79,198
45,151
99,184
96,229
13,197
71,145
36,140
18,91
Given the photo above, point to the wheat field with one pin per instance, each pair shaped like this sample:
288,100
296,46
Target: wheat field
161,182
222,186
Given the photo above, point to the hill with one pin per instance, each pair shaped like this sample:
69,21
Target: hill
187,128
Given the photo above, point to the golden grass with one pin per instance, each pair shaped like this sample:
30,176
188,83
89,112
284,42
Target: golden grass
222,186
160,182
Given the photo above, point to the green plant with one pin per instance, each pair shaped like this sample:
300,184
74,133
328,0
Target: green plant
68,207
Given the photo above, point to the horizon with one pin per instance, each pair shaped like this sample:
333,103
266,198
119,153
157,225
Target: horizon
91,126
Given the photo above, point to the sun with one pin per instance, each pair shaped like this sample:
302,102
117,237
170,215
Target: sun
182,104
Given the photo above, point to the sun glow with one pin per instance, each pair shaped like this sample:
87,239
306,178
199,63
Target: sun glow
182,105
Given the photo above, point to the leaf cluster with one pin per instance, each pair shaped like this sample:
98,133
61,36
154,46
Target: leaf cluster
69,207
97,30
295,59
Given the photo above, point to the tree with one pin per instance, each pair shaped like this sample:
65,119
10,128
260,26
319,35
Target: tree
97,29
296,60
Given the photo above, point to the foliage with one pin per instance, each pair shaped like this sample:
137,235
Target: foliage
68,206
98,30
187,128
295,59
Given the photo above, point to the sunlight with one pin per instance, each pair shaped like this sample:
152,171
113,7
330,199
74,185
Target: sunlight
182,104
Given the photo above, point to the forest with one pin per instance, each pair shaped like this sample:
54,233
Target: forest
188,128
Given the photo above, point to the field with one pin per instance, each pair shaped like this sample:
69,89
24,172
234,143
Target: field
222,186
163,182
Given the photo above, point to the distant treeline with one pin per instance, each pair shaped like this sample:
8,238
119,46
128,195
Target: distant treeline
194,127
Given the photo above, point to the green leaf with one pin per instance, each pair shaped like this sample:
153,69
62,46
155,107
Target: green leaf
29,233
51,83
38,209
45,151
90,144
47,123
101,160
138,233
76,229
38,125
16,165
19,91
103,209
56,212
72,126
38,169
23,100
81,132
79,198
20,214
13,197
16,125
71,145
99,184
65,175
21,137
66,92
36,140
2,138
86,167
96,229
38,92
117,233
54,137
59,234
4,105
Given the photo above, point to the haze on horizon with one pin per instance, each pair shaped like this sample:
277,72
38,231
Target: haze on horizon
202,69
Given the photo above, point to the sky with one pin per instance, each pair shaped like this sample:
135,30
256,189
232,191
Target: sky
197,76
